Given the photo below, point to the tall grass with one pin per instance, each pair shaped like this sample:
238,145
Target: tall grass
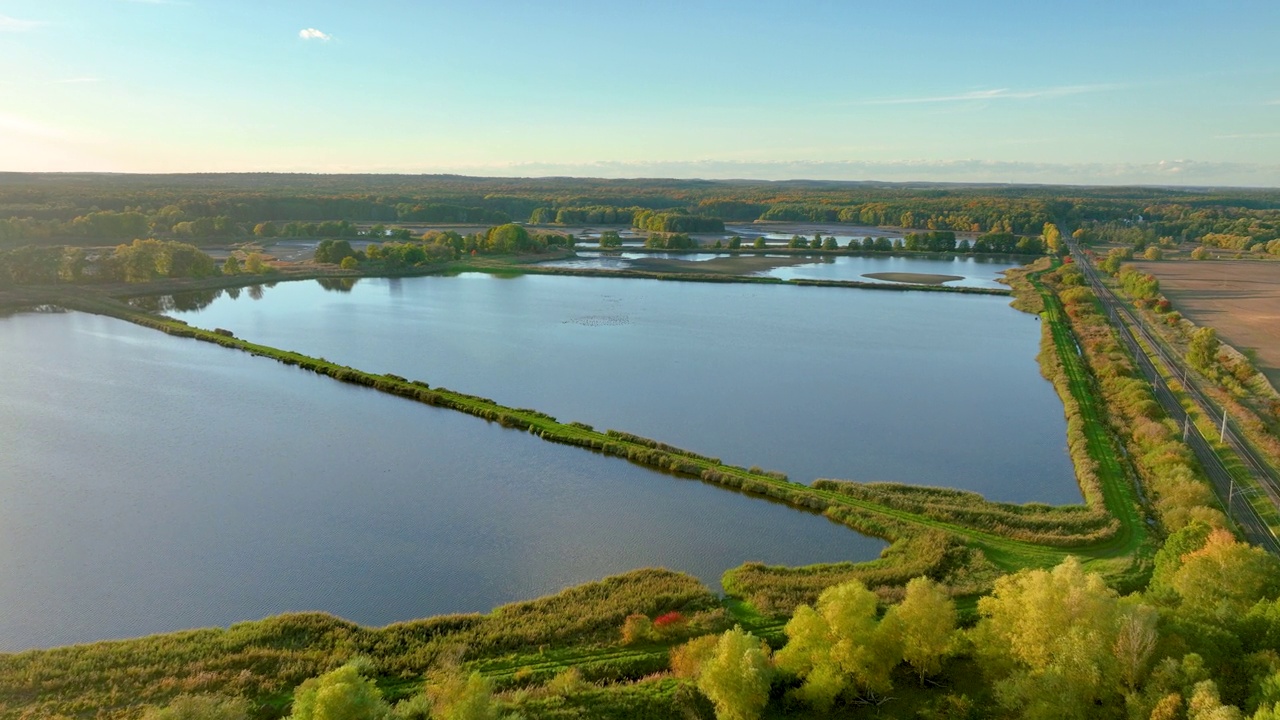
937,555
265,658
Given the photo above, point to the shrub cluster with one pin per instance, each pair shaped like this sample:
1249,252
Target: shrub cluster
1153,442
1065,526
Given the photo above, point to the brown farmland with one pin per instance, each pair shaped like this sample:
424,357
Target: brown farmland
1241,299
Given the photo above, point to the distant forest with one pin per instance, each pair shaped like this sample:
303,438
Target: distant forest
103,208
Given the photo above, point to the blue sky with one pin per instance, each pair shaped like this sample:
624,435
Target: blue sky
1083,92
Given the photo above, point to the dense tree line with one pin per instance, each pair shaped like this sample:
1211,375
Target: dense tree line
593,215
440,246
672,241
85,207
140,261
675,222
1004,242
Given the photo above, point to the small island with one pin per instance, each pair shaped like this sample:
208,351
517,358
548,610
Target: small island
915,278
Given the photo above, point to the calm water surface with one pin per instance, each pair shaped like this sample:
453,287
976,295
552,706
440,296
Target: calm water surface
917,387
976,271
150,483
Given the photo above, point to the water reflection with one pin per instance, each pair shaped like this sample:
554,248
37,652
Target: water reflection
338,284
926,388
189,301
371,507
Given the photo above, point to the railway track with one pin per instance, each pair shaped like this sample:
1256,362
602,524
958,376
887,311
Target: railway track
1233,498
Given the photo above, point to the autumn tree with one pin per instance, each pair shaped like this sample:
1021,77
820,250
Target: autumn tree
1135,644
687,660
72,265
343,694
1206,704
837,645
1047,638
510,238
333,251
1202,351
926,624
256,263
1224,579
1052,237
454,696
737,675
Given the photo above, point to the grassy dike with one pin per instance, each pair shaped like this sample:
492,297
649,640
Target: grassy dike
955,537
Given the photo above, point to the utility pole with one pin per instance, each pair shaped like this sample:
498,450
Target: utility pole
1186,427
1223,437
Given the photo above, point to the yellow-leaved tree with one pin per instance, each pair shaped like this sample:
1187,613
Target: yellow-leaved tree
840,645
925,623
1048,640
736,676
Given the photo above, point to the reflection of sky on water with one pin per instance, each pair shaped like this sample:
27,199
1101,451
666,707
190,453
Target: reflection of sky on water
978,272
151,483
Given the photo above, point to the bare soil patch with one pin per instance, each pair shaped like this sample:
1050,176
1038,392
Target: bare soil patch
1239,298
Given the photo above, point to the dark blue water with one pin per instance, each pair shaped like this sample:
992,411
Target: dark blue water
916,387
150,483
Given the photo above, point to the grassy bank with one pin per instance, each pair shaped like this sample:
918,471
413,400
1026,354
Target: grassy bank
265,659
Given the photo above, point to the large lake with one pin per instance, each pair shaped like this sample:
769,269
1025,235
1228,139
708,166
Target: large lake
150,483
926,388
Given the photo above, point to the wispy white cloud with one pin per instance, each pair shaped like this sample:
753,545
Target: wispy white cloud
1272,102
13,24
314,34
995,94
